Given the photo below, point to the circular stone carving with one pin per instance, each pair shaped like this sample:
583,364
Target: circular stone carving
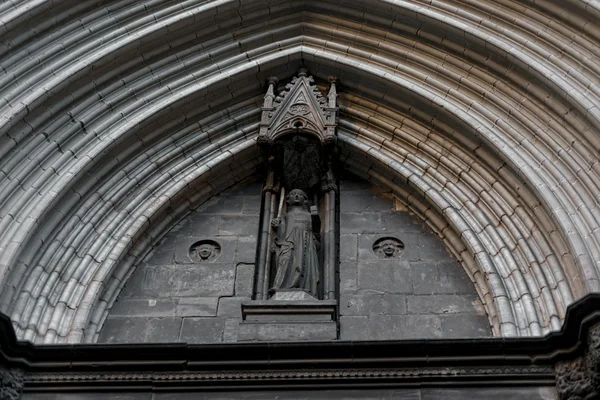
205,251
388,247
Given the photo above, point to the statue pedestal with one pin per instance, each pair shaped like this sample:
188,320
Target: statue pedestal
288,316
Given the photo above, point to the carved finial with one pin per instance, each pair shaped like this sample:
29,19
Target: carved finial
302,72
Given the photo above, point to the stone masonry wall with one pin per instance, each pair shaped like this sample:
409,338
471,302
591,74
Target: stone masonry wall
172,297
423,293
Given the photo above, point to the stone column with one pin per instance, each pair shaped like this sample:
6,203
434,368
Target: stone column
329,188
264,253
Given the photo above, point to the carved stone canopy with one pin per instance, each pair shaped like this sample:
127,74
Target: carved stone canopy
300,108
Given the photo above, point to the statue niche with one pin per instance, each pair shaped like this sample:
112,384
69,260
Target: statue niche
296,262
297,258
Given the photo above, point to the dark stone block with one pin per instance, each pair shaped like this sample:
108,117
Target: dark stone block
203,280
231,306
134,286
348,247
197,306
246,250
250,189
239,225
432,247
156,282
224,205
348,276
465,326
445,304
401,222
163,253
244,280
367,222
491,393
385,277
354,394
388,327
202,330
140,330
290,331
360,202
228,246
372,304
144,308
202,225
251,205
440,278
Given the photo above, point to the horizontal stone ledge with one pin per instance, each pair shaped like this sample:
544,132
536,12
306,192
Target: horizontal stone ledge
289,310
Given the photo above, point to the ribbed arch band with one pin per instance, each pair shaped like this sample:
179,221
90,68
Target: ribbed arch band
118,119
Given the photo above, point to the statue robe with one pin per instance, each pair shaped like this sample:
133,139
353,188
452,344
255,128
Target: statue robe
297,257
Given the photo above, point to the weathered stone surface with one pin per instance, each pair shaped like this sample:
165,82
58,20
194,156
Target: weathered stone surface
224,205
11,383
292,331
231,306
372,304
163,253
361,202
202,330
244,279
445,304
432,248
144,308
367,222
387,327
348,247
204,280
240,225
140,330
440,278
385,276
246,250
88,396
230,332
465,326
196,306
202,225
251,205
348,276
498,393
292,295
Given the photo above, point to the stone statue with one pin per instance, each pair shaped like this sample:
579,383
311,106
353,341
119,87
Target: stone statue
388,247
296,247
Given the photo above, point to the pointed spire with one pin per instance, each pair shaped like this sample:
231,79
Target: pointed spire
301,107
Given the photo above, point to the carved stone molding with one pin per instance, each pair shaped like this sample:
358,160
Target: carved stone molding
11,383
579,379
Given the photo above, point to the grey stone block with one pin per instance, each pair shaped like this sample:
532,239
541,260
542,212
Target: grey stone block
156,282
491,393
251,205
224,205
163,253
202,225
228,246
385,277
465,326
230,332
372,304
388,327
197,306
143,308
440,278
134,287
239,225
246,250
244,280
140,330
348,247
348,276
445,304
203,280
202,330
360,202
367,222
231,306
291,331
401,222
431,247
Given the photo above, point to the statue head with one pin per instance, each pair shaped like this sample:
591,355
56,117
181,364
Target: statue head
205,251
297,197
388,247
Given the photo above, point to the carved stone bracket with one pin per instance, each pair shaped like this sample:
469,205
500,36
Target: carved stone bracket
579,379
11,383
